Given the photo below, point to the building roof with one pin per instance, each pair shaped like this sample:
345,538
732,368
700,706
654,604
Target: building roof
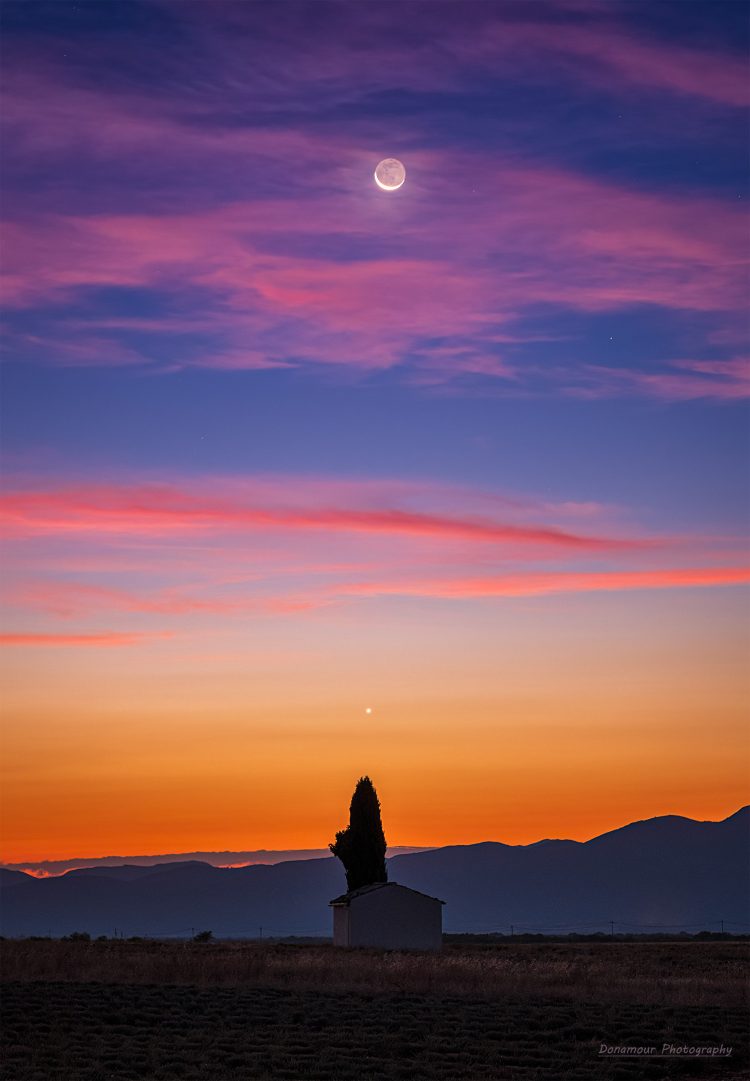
347,898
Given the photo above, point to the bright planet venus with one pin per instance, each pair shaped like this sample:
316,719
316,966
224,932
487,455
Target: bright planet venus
390,174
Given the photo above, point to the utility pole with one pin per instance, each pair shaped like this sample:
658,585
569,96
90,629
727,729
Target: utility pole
611,928
722,927
261,932
511,930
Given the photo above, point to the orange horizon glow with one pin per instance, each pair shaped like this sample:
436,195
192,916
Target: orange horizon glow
238,784
712,809
180,676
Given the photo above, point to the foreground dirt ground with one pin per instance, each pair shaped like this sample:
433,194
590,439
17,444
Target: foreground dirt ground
176,1012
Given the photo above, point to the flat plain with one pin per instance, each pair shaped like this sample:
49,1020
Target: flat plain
167,1011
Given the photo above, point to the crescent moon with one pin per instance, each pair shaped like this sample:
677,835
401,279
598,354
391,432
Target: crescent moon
390,174
388,187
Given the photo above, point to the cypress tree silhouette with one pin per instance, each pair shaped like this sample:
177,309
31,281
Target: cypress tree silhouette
361,846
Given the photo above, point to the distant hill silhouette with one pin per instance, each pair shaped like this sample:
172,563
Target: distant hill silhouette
668,873
216,859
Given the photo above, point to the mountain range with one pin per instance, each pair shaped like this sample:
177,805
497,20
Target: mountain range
227,858
666,874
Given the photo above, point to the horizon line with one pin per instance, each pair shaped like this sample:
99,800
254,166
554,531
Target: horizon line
82,862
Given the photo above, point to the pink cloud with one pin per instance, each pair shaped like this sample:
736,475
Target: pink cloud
534,235
73,598
68,599
163,510
265,546
567,222
532,585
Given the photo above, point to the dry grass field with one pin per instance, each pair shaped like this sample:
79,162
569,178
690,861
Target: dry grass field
76,1011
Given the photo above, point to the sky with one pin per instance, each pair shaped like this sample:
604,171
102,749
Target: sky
304,479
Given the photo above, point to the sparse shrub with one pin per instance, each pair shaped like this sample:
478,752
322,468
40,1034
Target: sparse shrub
203,936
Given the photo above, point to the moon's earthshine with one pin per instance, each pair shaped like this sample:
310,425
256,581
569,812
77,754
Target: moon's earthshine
390,174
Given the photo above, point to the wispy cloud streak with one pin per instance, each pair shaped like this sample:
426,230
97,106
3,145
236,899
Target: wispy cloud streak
535,585
161,510
683,380
193,551
105,639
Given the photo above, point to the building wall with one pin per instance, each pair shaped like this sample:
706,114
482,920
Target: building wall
340,925
395,918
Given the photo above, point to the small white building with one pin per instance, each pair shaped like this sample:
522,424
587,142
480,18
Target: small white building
389,917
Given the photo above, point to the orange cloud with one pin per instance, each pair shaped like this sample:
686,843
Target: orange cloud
105,638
